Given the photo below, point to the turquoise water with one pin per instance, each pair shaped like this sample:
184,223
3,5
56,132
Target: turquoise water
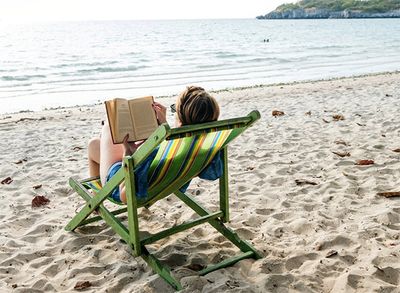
60,64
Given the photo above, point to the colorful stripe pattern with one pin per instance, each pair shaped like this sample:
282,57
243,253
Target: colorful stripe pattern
96,186
181,159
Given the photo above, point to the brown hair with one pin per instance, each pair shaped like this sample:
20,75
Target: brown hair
195,105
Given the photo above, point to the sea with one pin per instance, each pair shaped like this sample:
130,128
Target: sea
47,65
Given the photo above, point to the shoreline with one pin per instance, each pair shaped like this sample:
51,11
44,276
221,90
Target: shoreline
227,89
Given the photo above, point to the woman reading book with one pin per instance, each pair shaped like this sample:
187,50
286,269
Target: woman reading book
194,105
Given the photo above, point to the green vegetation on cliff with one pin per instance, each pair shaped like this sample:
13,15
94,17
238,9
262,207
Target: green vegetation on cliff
368,6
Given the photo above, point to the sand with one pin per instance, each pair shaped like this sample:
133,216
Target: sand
314,215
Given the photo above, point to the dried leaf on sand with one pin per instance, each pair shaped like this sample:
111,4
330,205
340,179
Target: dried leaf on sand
338,117
37,186
303,182
276,113
390,194
342,154
331,253
82,285
7,180
397,150
308,113
326,121
39,201
365,162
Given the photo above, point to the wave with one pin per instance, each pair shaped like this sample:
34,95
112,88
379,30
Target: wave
8,70
132,53
325,47
153,81
210,69
110,69
224,55
174,51
21,77
259,60
64,65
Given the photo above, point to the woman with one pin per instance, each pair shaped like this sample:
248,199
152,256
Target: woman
194,105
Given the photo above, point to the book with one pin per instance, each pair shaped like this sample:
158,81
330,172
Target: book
135,117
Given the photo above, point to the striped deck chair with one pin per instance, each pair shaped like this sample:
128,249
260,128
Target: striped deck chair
182,154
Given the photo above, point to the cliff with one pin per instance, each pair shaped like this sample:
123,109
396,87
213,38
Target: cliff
318,9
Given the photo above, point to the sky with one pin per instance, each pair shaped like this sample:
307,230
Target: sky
75,10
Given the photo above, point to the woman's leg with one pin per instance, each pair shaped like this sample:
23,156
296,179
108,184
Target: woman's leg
94,157
109,152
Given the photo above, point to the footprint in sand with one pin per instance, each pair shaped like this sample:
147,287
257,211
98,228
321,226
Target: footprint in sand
245,233
42,285
281,216
337,241
278,283
297,261
388,274
264,212
354,281
272,266
385,271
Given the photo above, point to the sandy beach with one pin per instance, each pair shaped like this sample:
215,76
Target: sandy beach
296,193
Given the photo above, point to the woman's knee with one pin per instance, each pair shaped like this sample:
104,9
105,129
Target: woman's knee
94,149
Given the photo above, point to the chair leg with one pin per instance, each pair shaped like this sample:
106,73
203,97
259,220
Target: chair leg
132,206
91,204
223,187
232,236
160,269
225,263
107,216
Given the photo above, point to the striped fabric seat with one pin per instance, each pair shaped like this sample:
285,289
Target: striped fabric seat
179,160
95,186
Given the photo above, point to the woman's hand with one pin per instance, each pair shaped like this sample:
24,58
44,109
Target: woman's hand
161,112
130,147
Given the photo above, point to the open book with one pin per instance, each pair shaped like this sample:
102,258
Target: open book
135,117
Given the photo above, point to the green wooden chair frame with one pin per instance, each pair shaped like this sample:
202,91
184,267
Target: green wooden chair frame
130,234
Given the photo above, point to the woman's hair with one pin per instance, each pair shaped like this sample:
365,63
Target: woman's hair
195,105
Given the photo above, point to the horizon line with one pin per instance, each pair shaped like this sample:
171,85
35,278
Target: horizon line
22,21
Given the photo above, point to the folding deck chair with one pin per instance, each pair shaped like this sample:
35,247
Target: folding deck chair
182,154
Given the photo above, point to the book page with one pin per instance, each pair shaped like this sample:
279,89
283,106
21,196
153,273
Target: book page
111,113
123,124
143,117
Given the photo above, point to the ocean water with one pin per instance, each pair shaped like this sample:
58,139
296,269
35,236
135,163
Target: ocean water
73,63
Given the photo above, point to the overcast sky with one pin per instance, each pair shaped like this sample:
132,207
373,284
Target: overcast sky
62,10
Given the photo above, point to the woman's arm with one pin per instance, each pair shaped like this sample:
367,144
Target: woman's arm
130,147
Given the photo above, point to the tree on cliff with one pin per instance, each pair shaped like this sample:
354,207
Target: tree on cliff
370,6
